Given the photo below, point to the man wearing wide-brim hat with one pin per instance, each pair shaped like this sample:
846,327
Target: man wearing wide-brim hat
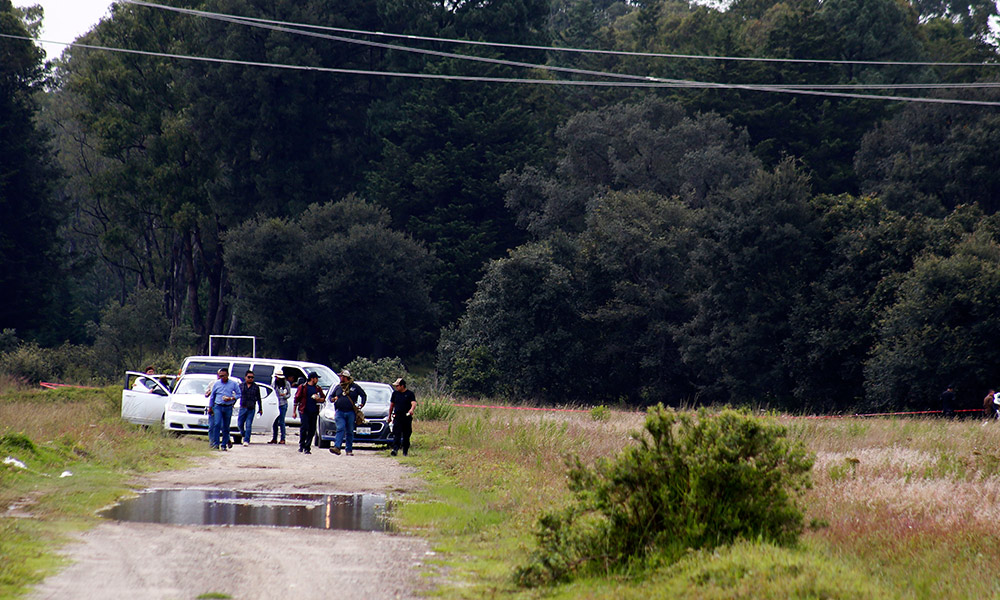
345,398
284,391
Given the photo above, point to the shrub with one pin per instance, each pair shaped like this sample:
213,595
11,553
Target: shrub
385,370
434,408
31,363
690,481
600,413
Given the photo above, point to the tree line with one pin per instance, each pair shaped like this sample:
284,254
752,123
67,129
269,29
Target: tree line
551,243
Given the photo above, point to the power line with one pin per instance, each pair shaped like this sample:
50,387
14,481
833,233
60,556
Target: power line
571,49
675,82
470,78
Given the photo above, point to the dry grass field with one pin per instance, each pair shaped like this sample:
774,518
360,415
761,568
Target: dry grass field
900,507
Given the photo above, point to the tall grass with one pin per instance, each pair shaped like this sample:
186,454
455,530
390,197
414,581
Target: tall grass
51,433
900,508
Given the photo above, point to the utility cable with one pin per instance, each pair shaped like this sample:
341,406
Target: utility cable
555,82
676,82
576,50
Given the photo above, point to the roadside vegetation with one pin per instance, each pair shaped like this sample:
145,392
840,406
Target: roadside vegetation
77,456
898,508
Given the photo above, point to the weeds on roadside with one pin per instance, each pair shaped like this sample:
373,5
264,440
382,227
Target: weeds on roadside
690,482
434,408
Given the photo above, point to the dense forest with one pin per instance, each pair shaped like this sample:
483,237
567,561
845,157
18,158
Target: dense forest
777,203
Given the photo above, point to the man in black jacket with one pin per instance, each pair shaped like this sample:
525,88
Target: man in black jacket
249,399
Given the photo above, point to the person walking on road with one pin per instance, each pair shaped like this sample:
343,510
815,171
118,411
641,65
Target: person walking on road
345,399
401,406
284,391
307,401
249,399
222,396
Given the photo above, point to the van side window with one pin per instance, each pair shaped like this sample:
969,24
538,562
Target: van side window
205,368
240,369
262,373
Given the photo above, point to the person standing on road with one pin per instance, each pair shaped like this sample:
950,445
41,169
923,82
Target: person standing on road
401,406
284,391
307,401
345,399
249,398
222,396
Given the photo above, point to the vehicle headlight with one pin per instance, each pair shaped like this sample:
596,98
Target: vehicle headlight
328,413
177,407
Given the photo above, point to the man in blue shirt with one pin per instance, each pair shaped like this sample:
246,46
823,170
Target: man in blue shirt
223,395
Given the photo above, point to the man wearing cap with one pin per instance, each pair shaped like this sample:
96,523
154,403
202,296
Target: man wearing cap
345,399
284,391
401,406
307,401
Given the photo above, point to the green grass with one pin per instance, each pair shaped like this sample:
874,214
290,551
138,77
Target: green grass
52,432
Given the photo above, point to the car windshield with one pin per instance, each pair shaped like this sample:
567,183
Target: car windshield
192,386
327,378
377,396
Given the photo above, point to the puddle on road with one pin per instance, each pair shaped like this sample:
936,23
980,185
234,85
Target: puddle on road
359,512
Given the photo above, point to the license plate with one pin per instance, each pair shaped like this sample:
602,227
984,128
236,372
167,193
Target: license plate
363,430
202,422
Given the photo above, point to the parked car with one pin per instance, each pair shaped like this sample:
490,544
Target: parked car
376,410
187,407
144,397
263,369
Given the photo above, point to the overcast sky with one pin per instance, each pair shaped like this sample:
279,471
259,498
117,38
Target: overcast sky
65,20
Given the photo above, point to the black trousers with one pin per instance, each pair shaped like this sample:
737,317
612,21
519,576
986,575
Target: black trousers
307,429
402,427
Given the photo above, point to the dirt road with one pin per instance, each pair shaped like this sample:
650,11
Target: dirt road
146,561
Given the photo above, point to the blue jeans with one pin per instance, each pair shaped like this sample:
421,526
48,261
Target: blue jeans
245,423
279,422
222,417
213,429
345,426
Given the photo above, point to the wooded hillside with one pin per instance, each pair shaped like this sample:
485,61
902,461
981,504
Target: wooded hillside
736,213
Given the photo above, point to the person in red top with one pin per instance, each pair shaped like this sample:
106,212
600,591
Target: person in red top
307,401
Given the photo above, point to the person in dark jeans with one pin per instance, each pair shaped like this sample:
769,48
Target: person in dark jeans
222,396
348,398
283,390
249,401
401,406
948,402
307,401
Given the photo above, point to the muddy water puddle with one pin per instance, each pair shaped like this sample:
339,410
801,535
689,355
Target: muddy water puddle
359,512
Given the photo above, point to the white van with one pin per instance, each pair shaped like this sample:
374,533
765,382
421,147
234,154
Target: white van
263,369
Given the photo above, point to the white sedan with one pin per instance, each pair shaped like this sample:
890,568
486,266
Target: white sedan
183,407
144,400
187,407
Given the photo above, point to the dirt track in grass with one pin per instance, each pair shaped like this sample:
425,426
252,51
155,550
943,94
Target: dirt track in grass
146,561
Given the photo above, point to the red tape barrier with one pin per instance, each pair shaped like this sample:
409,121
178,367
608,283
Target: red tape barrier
888,414
55,386
522,408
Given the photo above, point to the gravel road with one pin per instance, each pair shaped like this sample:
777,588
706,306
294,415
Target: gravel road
146,561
